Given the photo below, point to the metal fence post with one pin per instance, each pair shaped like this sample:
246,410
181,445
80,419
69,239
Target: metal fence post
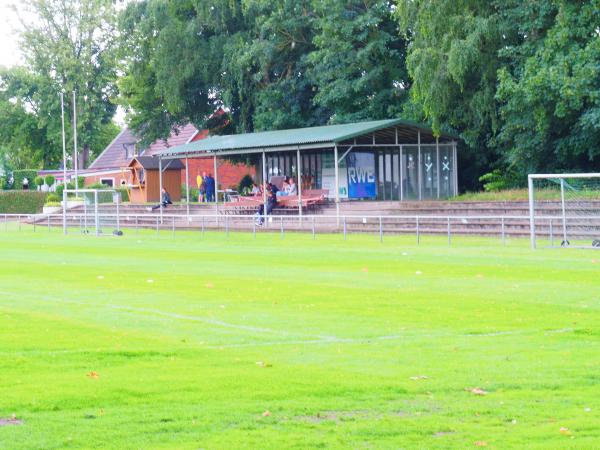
503,232
313,227
157,225
281,225
449,232
380,229
254,229
137,230
551,233
48,222
19,219
345,229
418,232
173,225
227,226
202,226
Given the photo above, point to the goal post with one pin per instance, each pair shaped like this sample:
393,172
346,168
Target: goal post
92,210
565,209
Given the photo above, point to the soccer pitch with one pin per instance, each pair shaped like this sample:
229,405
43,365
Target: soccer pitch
206,342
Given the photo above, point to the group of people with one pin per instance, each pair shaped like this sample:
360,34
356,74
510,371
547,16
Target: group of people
206,187
272,192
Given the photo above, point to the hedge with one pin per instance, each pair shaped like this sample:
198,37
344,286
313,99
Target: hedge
19,175
22,202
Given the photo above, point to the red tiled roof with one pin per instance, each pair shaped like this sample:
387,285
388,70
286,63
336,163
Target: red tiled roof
113,155
179,136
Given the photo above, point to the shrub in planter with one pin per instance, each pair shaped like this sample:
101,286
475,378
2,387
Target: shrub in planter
59,189
53,198
49,180
39,181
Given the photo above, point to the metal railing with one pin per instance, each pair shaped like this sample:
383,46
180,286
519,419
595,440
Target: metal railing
500,226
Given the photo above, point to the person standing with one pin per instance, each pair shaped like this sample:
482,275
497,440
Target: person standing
210,188
202,187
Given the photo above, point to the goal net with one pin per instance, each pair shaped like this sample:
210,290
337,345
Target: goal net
564,210
92,211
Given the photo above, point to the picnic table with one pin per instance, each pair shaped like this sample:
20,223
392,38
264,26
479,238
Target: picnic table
310,199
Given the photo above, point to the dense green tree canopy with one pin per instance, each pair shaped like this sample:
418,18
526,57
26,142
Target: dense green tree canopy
518,81
274,64
67,45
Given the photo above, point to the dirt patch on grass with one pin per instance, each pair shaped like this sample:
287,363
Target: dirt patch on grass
10,421
336,416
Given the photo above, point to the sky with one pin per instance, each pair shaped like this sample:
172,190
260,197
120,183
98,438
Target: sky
9,49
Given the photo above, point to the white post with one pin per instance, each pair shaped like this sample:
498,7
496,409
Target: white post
299,181
187,188
564,210
437,164
419,181
401,174
64,141
531,211
455,165
337,184
216,178
96,214
64,212
160,187
264,180
75,156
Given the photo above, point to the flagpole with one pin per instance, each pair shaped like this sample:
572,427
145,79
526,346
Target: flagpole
76,159
64,142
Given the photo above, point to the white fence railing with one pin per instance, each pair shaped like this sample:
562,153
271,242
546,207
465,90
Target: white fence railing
500,226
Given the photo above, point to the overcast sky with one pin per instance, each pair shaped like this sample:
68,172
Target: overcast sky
9,50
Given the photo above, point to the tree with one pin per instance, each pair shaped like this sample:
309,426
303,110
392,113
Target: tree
359,62
551,102
68,45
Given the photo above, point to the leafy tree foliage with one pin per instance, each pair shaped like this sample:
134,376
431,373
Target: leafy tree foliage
274,64
550,104
67,45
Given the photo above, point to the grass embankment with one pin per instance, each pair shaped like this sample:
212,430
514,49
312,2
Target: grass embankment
161,342
522,195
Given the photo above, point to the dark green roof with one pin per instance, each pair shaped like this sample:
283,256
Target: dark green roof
328,134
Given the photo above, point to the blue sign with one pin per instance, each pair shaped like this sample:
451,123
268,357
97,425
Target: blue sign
361,175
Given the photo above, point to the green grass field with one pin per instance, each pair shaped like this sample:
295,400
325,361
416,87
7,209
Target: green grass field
189,342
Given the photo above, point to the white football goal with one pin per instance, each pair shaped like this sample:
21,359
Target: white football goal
564,210
92,211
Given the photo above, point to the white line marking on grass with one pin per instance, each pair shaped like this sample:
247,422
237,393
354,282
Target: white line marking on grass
158,312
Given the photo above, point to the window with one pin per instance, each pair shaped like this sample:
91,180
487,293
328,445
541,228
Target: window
129,150
107,181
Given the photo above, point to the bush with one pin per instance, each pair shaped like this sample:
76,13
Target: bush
49,180
498,181
20,175
80,182
245,184
22,202
53,198
123,191
59,189
39,181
